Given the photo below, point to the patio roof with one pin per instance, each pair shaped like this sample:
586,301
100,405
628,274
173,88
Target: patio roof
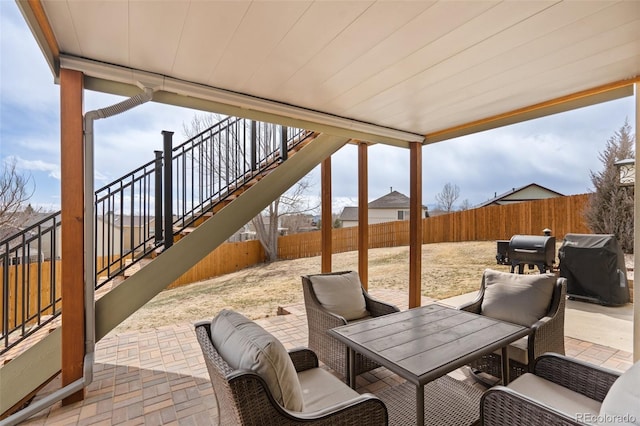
384,71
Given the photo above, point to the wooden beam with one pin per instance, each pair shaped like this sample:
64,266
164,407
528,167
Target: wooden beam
71,165
327,222
636,243
363,215
415,226
580,99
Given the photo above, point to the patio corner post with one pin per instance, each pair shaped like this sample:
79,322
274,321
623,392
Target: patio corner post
636,244
72,216
363,215
415,225
327,222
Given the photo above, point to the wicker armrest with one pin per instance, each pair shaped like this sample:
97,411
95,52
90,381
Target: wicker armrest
591,381
377,308
303,359
501,406
473,306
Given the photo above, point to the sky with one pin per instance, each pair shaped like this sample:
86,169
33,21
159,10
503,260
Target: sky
557,152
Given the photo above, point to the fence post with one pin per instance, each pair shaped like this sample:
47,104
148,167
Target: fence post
158,198
254,146
284,152
168,188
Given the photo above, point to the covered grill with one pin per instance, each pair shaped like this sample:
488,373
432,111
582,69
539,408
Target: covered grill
532,250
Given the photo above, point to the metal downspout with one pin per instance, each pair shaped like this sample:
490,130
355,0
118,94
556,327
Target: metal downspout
89,260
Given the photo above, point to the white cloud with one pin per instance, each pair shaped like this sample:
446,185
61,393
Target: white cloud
52,169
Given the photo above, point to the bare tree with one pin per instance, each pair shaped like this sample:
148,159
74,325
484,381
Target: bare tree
15,189
465,205
292,202
610,209
448,196
266,224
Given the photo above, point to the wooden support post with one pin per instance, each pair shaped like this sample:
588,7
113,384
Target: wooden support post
72,201
415,226
327,222
636,243
363,215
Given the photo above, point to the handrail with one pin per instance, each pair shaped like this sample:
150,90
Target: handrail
206,170
31,296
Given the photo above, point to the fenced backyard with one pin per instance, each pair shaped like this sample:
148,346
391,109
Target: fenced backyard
562,215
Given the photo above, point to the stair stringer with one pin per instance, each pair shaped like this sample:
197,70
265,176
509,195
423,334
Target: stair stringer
121,302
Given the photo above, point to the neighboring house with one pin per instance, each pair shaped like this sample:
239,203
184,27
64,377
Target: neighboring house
116,234
530,192
388,208
40,247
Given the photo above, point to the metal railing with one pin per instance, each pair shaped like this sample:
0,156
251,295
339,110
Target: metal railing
30,269
138,214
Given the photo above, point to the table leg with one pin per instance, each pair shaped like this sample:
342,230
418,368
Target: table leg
505,365
419,405
352,368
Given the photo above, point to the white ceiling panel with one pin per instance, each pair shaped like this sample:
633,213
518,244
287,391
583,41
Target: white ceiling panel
207,30
297,48
264,26
419,66
497,54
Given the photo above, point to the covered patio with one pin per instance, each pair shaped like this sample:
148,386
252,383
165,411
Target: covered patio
158,376
403,74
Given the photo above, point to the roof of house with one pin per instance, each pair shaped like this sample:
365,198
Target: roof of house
349,213
392,200
513,191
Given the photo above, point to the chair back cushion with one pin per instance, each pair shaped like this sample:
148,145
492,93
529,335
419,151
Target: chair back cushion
517,298
621,405
247,346
340,294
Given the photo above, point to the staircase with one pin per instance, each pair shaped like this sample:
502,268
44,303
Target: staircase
216,182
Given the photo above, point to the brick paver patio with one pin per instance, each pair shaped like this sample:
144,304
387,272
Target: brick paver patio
158,376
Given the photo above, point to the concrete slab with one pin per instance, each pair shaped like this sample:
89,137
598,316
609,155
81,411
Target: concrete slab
605,325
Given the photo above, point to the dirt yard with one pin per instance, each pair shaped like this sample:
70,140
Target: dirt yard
448,269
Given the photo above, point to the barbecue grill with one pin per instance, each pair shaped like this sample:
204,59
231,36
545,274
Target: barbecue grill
532,250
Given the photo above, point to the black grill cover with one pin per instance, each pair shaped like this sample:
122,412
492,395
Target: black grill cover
594,267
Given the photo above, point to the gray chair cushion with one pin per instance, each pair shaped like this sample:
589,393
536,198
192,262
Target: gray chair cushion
566,401
622,403
247,346
517,298
321,389
340,294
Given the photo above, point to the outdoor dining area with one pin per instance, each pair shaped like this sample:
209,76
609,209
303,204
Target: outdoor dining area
345,357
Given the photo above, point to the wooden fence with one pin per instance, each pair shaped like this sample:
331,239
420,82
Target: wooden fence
24,303
562,215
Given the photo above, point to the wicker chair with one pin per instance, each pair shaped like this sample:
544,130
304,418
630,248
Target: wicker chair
547,335
330,351
243,397
561,391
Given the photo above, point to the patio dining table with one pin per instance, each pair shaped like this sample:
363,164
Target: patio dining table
425,343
